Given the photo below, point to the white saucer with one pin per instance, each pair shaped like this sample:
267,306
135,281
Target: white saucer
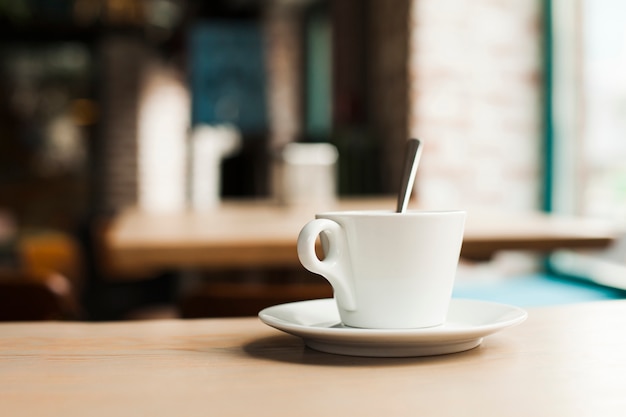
318,323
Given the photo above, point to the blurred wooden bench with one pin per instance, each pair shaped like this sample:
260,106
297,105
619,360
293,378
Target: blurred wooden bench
238,299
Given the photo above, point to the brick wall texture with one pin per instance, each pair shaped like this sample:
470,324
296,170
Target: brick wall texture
283,52
122,60
388,47
474,97
464,76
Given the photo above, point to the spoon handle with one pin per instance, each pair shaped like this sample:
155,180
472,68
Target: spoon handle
413,153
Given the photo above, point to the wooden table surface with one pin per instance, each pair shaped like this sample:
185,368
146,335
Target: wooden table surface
259,233
563,361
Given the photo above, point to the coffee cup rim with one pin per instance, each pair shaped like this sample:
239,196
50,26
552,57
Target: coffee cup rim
390,213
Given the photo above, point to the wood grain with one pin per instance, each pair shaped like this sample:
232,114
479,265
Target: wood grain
563,361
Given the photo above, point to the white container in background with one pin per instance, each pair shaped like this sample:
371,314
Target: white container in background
306,173
209,146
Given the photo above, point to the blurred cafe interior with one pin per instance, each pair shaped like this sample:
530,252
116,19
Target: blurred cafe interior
165,107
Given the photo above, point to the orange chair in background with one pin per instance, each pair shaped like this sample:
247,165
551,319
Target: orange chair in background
43,281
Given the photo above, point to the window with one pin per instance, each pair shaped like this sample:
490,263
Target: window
589,142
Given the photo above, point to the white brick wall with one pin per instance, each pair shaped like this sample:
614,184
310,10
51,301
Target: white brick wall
475,101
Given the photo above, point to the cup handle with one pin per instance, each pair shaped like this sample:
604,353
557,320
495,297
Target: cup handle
335,266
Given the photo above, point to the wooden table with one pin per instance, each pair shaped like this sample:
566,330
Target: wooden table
260,233
563,361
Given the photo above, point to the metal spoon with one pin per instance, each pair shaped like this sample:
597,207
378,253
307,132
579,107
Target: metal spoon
413,153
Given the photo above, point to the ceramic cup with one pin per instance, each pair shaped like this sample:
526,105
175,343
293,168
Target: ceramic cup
388,270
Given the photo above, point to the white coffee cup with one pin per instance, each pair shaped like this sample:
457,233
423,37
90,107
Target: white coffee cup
387,269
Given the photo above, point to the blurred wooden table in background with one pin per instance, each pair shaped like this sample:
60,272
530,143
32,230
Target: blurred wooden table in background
258,233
